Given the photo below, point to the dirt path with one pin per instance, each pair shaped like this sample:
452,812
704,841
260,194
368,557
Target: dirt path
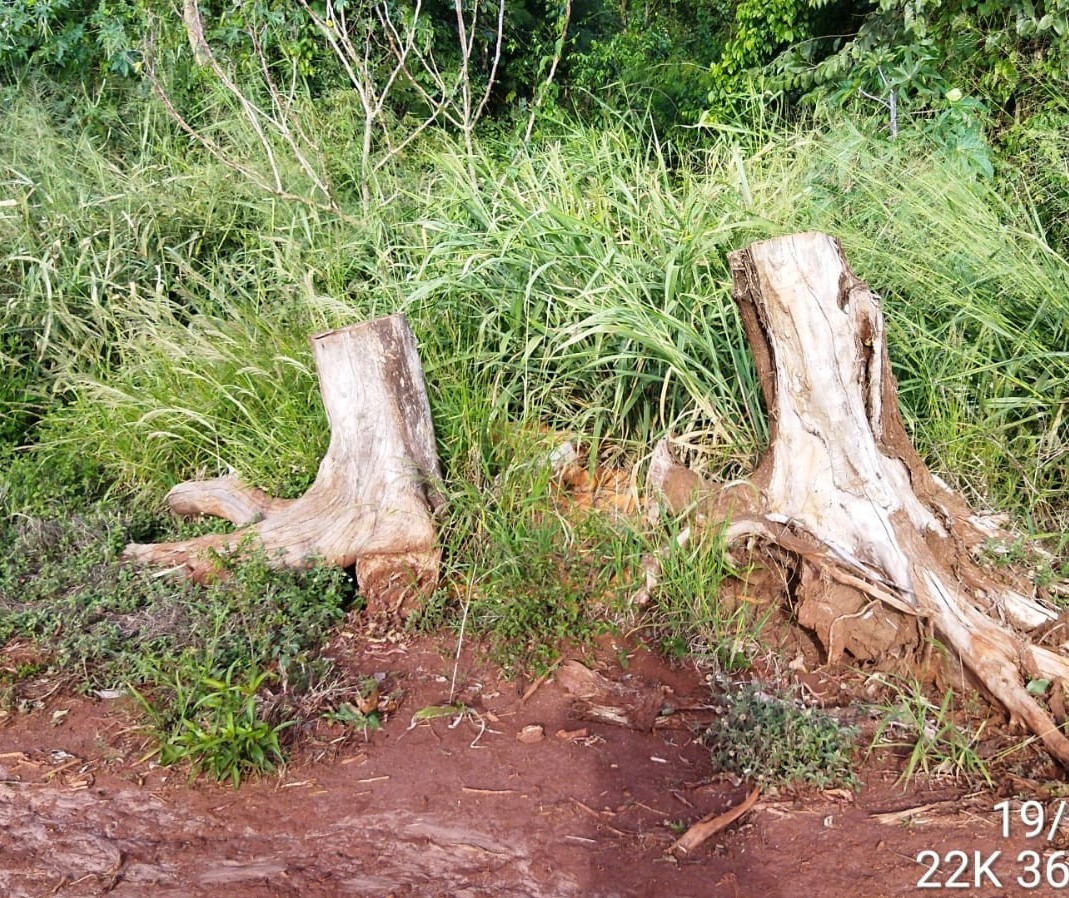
457,808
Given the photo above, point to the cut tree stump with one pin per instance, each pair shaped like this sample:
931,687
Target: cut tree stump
371,505
882,549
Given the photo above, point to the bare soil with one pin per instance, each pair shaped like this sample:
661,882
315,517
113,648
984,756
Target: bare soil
459,806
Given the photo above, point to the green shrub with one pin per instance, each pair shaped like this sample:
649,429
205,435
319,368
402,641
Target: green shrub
774,739
216,727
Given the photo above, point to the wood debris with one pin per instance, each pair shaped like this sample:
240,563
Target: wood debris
709,826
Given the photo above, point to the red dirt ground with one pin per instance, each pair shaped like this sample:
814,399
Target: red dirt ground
447,808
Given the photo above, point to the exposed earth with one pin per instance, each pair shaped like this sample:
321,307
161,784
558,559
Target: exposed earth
458,805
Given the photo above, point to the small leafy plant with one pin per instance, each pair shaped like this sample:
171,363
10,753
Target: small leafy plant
773,739
351,716
217,727
363,712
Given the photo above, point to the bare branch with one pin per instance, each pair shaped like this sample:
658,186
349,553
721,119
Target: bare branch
282,118
213,148
497,57
193,20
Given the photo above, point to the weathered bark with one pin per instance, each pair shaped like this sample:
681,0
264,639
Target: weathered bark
883,547
372,501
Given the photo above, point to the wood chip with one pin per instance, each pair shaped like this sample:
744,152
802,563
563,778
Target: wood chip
531,734
1057,703
589,810
580,680
599,816
889,817
533,688
51,773
710,826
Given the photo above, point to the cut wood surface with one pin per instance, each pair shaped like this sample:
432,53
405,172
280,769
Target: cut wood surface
884,550
371,505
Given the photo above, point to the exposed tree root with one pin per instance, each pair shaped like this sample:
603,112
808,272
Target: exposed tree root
883,547
371,504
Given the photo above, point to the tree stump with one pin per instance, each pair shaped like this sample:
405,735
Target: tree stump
371,505
882,547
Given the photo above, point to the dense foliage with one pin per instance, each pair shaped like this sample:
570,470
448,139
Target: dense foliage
676,60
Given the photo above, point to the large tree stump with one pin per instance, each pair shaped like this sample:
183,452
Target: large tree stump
372,501
882,546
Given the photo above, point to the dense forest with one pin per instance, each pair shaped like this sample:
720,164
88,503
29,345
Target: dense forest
548,190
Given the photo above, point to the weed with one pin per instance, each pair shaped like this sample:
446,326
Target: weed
539,571
689,612
214,724
1000,553
363,712
1051,572
348,714
199,653
927,732
772,738
63,588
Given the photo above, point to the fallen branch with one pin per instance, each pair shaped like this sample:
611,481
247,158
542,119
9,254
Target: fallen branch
709,826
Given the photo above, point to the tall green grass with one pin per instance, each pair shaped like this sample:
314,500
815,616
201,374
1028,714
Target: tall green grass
977,304
580,281
589,283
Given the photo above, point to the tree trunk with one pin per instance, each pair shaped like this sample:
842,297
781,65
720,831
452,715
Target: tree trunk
882,546
371,505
